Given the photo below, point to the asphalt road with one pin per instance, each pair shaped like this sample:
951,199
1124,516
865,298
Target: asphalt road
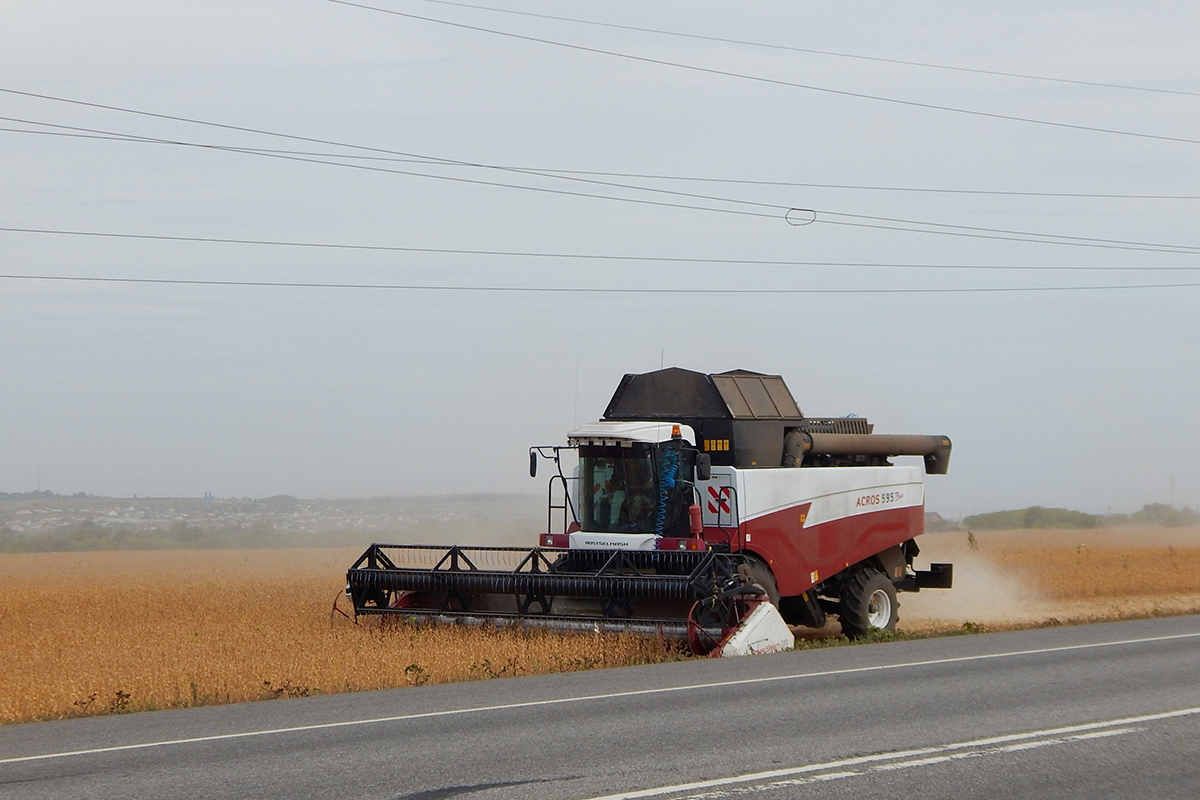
1094,711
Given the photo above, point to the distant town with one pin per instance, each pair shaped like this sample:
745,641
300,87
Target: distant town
45,520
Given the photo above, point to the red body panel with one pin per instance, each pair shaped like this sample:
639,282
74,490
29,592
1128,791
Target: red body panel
795,552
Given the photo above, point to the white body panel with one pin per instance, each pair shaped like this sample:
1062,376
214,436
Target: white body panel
612,541
615,433
834,492
764,631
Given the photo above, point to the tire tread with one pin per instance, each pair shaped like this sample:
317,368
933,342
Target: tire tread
852,612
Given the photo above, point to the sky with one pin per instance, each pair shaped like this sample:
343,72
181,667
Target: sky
943,315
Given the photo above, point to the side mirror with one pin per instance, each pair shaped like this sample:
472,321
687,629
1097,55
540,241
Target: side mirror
533,463
703,466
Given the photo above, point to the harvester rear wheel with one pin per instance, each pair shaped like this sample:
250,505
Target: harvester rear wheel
868,601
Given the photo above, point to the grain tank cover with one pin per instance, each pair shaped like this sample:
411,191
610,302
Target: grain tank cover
681,393
746,419
740,417
749,395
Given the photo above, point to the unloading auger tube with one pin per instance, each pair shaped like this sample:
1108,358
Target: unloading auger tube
800,443
657,592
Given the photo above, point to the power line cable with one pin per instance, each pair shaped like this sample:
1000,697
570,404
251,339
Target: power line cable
1009,235
856,56
772,81
948,227
208,123
433,160
994,237
873,188
438,162
642,175
430,159
581,256
585,289
818,215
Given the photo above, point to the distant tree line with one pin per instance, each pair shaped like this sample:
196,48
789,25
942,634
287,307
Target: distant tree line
1157,514
1041,517
41,494
1032,517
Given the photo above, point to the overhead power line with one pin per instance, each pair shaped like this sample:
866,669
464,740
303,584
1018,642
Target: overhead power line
772,81
582,289
584,256
973,231
873,188
820,216
812,51
120,137
431,160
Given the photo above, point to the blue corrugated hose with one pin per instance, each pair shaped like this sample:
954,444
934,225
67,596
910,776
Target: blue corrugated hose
670,468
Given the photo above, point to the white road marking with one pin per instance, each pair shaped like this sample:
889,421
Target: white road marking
1103,734
1011,748
899,759
593,697
763,787
923,762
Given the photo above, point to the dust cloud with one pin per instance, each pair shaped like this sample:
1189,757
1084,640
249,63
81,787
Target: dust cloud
982,594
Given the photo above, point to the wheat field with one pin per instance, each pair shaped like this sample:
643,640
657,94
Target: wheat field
93,633
1036,577
89,633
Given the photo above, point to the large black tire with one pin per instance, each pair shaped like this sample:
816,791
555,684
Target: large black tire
760,575
868,601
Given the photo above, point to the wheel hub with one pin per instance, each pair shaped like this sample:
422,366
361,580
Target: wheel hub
879,609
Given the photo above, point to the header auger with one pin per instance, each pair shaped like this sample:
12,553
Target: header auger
702,506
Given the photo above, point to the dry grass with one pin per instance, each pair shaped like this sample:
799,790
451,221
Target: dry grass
88,633
92,633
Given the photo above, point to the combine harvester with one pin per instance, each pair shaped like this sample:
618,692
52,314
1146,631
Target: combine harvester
703,506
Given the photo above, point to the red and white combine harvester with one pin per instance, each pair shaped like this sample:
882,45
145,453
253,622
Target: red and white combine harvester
703,506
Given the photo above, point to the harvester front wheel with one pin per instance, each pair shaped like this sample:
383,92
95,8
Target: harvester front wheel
868,601
759,574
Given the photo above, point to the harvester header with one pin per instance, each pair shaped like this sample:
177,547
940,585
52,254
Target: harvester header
700,502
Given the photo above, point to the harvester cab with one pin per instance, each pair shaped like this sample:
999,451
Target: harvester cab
703,506
633,489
